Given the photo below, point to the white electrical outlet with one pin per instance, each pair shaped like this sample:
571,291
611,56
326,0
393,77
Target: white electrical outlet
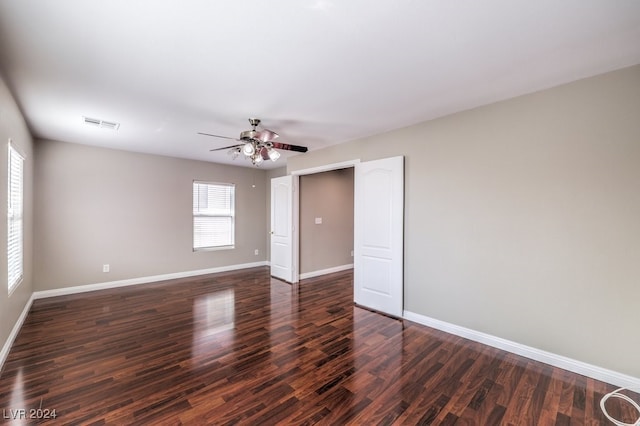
318,221
105,267
256,252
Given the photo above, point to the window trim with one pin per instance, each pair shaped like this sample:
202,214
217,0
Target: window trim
14,153
232,216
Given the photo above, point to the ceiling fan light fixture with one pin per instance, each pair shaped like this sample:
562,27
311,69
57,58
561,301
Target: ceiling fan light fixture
258,159
248,149
234,152
273,154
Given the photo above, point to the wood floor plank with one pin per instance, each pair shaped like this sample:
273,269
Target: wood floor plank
551,401
243,348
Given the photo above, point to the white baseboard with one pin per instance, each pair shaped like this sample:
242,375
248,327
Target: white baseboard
141,280
325,271
14,331
595,372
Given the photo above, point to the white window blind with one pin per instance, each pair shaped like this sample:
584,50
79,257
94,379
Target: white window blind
15,262
213,215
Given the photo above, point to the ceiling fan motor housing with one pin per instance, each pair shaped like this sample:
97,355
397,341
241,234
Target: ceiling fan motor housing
249,135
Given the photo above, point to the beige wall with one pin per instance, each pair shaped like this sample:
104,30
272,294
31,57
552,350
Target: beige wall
522,217
12,125
327,195
98,206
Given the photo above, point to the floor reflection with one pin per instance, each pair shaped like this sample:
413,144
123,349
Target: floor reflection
213,314
17,401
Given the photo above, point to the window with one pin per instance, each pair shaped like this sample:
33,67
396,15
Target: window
213,215
14,222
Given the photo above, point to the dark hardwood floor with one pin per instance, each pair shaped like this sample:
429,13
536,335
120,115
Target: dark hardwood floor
243,348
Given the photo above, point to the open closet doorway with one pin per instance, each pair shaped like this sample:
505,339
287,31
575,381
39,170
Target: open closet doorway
326,222
378,230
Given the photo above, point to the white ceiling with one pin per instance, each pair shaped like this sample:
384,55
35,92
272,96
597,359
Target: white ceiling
318,72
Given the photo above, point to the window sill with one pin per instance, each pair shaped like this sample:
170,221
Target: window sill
214,248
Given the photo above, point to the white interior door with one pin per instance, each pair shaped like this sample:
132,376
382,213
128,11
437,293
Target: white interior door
379,235
282,227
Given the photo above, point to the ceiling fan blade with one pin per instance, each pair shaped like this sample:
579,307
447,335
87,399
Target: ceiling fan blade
288,147
266,135
225,147
218,136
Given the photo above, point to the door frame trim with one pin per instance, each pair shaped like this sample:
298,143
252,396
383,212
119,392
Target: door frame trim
327,167
296,206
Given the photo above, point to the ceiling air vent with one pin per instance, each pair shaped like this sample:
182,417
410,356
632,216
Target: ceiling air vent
101,123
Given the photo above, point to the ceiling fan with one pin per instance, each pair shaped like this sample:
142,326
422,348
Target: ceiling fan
256,145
